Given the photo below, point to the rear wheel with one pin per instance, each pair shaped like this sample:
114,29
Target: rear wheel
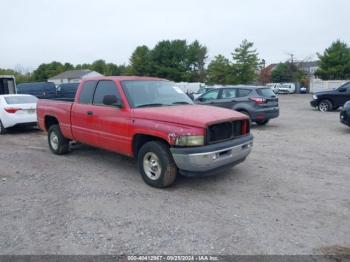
3,130
156,165
262,122
325,106
58,144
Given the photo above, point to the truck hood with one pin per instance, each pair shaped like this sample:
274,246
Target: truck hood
326,92
189,115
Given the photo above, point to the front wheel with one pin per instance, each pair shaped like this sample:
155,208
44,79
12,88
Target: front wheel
156,165
262,122
325,106
3,130
58,144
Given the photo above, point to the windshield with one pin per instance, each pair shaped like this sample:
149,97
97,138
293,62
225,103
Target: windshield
12,100
266,92
154,93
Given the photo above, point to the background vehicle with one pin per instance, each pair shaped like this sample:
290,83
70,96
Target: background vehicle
275,87
17,110
38,89
203,90
259,103
303,90
287,88
149,119
67,90
331,100
345,114
7,85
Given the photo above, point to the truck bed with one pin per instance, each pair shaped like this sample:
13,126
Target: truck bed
60,109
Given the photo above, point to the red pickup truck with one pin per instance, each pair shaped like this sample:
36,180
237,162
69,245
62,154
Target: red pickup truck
152,120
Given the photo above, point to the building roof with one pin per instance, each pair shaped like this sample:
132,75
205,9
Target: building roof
73,74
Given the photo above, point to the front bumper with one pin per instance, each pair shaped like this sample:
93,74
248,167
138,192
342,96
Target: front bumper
206,160
314,103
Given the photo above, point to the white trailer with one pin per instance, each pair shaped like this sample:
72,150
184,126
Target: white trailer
7,85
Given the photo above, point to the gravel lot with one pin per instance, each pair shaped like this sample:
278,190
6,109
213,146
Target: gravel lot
291,196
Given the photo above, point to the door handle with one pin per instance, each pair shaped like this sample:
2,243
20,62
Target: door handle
90,113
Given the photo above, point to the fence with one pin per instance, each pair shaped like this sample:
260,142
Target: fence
317,85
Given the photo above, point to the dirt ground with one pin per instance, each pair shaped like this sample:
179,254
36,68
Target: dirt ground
291,196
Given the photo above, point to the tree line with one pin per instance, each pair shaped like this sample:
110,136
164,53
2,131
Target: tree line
178,60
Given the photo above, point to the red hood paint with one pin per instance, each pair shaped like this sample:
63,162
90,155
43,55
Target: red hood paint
189,115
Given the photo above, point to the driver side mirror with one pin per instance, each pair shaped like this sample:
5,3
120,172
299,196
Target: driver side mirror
342,89
112,100
200,99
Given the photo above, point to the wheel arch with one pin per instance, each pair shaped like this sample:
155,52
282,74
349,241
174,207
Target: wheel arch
50,121
140,139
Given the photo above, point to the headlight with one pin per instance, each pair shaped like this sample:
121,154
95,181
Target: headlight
189,141
314,97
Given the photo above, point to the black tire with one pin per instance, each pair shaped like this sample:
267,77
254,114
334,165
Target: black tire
262,122
61,146
3,130
325,105
168,170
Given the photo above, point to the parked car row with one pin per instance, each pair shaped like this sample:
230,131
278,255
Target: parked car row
151,120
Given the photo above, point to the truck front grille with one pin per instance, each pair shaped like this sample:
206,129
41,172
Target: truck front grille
227,130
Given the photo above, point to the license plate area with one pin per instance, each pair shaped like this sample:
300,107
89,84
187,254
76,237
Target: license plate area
224,153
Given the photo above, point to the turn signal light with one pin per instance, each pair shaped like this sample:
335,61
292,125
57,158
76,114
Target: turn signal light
12,110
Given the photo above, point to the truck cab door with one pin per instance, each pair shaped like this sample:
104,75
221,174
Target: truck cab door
83,119
112,120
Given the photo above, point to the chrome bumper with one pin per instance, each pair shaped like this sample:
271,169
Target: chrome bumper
211,158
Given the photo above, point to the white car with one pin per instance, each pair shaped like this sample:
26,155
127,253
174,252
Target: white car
17,110
275,87
287,88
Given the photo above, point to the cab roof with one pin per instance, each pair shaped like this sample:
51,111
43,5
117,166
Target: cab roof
124,78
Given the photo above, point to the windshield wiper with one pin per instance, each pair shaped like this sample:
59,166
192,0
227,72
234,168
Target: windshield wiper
181,103
150,105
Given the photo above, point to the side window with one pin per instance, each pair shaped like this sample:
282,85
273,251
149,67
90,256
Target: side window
105,87
228,93
243,92
87,92
211,95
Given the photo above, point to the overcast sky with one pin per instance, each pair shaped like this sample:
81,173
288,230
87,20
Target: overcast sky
81,31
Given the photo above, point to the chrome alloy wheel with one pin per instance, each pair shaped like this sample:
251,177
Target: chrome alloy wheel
323,106
54,141
151,166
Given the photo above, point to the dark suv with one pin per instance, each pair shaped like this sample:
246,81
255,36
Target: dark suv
331,100
259,103
42,90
